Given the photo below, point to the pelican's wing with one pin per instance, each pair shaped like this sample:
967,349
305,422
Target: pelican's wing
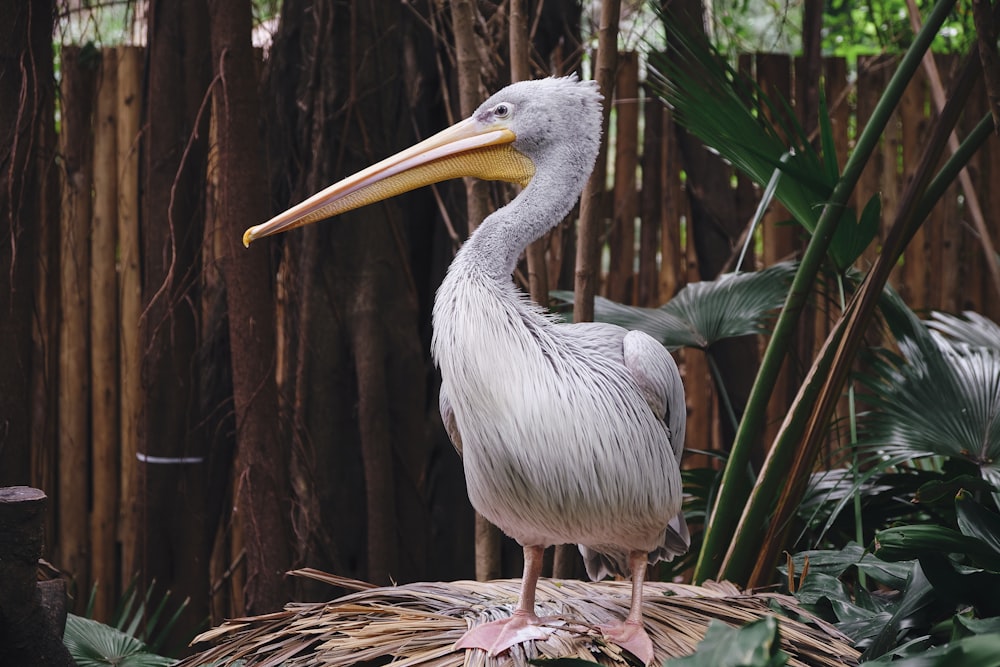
659,380
448,417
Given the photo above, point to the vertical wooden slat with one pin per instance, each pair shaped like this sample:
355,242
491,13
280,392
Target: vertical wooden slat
975,278
104,345
946,230
671,250
129,296
651,199
780,241
622,241
74,260
912,109
698,387
836,90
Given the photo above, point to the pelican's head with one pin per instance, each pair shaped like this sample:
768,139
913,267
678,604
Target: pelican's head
524,128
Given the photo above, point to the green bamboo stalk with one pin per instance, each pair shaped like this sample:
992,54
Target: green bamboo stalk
733,492
753,552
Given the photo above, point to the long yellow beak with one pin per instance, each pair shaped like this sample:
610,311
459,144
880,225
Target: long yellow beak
467,148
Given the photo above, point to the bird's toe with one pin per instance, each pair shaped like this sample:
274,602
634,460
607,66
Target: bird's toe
498,636
632,637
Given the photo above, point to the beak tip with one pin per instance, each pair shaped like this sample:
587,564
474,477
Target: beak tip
247,237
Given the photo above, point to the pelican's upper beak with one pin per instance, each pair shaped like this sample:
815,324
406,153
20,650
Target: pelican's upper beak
468,148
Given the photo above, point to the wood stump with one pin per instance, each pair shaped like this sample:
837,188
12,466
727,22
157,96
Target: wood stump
30,630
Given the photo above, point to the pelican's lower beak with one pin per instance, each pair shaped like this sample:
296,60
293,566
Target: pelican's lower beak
467,148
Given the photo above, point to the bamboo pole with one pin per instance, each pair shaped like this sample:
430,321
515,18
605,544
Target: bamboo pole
463,13
587,274
104,345
129,298
520,70
74,260
621,280
651,202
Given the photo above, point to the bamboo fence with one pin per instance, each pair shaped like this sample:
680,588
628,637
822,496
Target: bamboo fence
649,254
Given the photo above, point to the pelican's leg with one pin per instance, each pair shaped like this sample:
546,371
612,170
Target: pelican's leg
630,634
498,636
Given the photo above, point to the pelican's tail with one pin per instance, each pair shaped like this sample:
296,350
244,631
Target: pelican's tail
600,564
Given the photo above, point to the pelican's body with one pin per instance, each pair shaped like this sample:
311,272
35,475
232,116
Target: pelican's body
558,442
569,433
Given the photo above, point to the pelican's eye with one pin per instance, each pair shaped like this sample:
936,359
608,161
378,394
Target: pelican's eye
502,110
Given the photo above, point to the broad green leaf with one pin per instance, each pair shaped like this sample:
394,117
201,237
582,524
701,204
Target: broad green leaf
909,542
754,645
966,626
945,490
975,651
918,594
976,521
836,562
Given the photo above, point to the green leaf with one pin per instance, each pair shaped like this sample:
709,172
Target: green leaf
703,313
972,329
93,644
918,595
945,490
754,645
910,542
976,521
940,399
975,651
852,236
828,145
966,626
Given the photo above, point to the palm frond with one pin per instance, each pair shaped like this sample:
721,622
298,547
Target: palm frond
971,328
938,398
93,644
732,115
703,313
418,624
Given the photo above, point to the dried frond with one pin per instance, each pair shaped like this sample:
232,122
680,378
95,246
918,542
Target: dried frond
418,624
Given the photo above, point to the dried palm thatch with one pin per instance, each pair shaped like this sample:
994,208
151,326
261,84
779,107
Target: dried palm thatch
416,625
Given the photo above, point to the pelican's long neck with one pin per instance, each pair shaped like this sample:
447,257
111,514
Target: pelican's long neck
496,245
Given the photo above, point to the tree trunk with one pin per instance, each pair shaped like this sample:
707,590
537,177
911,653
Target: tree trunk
26,88
262,490
352,357
78,78
171,546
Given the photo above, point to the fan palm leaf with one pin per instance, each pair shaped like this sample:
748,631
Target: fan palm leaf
940,397
418,624
93,644
971,328
703,313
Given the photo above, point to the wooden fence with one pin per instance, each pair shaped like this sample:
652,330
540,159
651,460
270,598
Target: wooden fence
100,294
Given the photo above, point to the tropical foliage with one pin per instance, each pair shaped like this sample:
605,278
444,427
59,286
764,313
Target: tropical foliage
138,632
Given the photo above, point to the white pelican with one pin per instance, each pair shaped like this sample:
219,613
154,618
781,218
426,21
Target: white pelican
569,433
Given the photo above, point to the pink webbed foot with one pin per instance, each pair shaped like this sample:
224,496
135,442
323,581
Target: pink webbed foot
632,637
496,637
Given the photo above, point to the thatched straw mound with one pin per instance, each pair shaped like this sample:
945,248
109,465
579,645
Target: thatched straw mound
417,625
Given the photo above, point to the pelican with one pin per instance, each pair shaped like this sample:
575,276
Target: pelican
569,433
